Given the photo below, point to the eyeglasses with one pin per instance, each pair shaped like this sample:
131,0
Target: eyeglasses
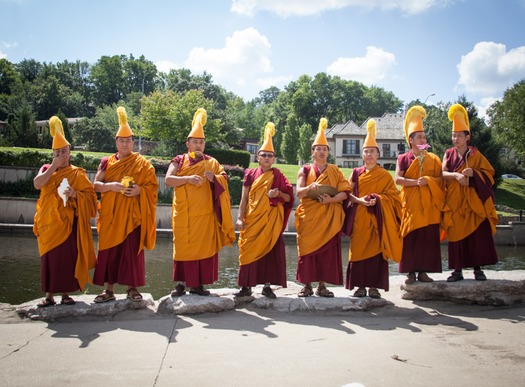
266,155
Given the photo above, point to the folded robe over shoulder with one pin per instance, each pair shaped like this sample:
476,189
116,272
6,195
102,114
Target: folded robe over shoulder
265,218
375,229
423,205
53,221
473,203
318,223
202,221
119,215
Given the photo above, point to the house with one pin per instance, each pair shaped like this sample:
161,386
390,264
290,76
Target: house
251,145
43,126
346,140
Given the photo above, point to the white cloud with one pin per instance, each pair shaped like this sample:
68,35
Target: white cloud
2,55
244,57
165,66
10,45
484,104
280,82
370,69
287,8
489,69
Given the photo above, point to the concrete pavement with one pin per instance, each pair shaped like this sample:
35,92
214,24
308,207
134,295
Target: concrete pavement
404,343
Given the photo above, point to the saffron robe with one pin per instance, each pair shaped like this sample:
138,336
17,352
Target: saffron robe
201,215
126,225
54,222
319,229
474,216
422,210
376,229
262,257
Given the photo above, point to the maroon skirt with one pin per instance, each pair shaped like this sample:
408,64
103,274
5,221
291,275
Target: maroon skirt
324,264
371,272
477,249
121,264
269,269
57,266
195,273
422,251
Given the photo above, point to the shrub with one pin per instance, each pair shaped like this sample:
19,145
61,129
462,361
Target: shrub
235,187
230,156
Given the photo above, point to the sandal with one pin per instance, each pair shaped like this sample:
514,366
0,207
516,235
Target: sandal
47,302
455,276
107,295
67,301
361,292
374,293
324,292
479,275
306,291
134,295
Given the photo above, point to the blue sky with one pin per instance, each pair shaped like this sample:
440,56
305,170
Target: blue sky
414,48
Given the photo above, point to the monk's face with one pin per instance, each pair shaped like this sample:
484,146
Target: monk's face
460,139
195,144
64,153
418,138
320,153
265,159
124,146
370,155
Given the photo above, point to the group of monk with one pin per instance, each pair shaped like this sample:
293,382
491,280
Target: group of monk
453,200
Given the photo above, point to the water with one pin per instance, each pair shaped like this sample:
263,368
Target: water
20,267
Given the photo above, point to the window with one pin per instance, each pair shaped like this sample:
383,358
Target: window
386,151
350,164
351,147
252,148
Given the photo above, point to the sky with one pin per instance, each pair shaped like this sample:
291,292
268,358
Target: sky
431,50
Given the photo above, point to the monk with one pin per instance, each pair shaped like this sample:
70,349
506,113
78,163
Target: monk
62,222
374,228
266,203
469,180
319,220
127,216
201,213
418,172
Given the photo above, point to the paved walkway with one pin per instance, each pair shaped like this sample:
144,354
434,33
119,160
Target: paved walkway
406,343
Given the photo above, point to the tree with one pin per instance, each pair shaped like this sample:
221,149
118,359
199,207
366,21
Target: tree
507,118
107,76
305,143
24,128
290,143
167,116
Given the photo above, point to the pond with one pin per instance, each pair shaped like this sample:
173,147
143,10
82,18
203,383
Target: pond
20,267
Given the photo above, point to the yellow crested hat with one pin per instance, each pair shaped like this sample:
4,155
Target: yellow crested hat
197,125
414,121
459,117
57,132
123,128
320,138
269,132
371,131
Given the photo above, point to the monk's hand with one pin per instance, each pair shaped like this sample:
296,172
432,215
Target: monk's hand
467,172
70,192
313,186
115,186
462,179
273,193
132,191
195,180
239,225
209,175
325,198
422,181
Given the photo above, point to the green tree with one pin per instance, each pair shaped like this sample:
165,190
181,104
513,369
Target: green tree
507,118
24,128
305,143
290,144
107,76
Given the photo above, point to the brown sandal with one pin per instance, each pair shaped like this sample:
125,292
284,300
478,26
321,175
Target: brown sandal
134,295
306,291
324,292
105,296
361,292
